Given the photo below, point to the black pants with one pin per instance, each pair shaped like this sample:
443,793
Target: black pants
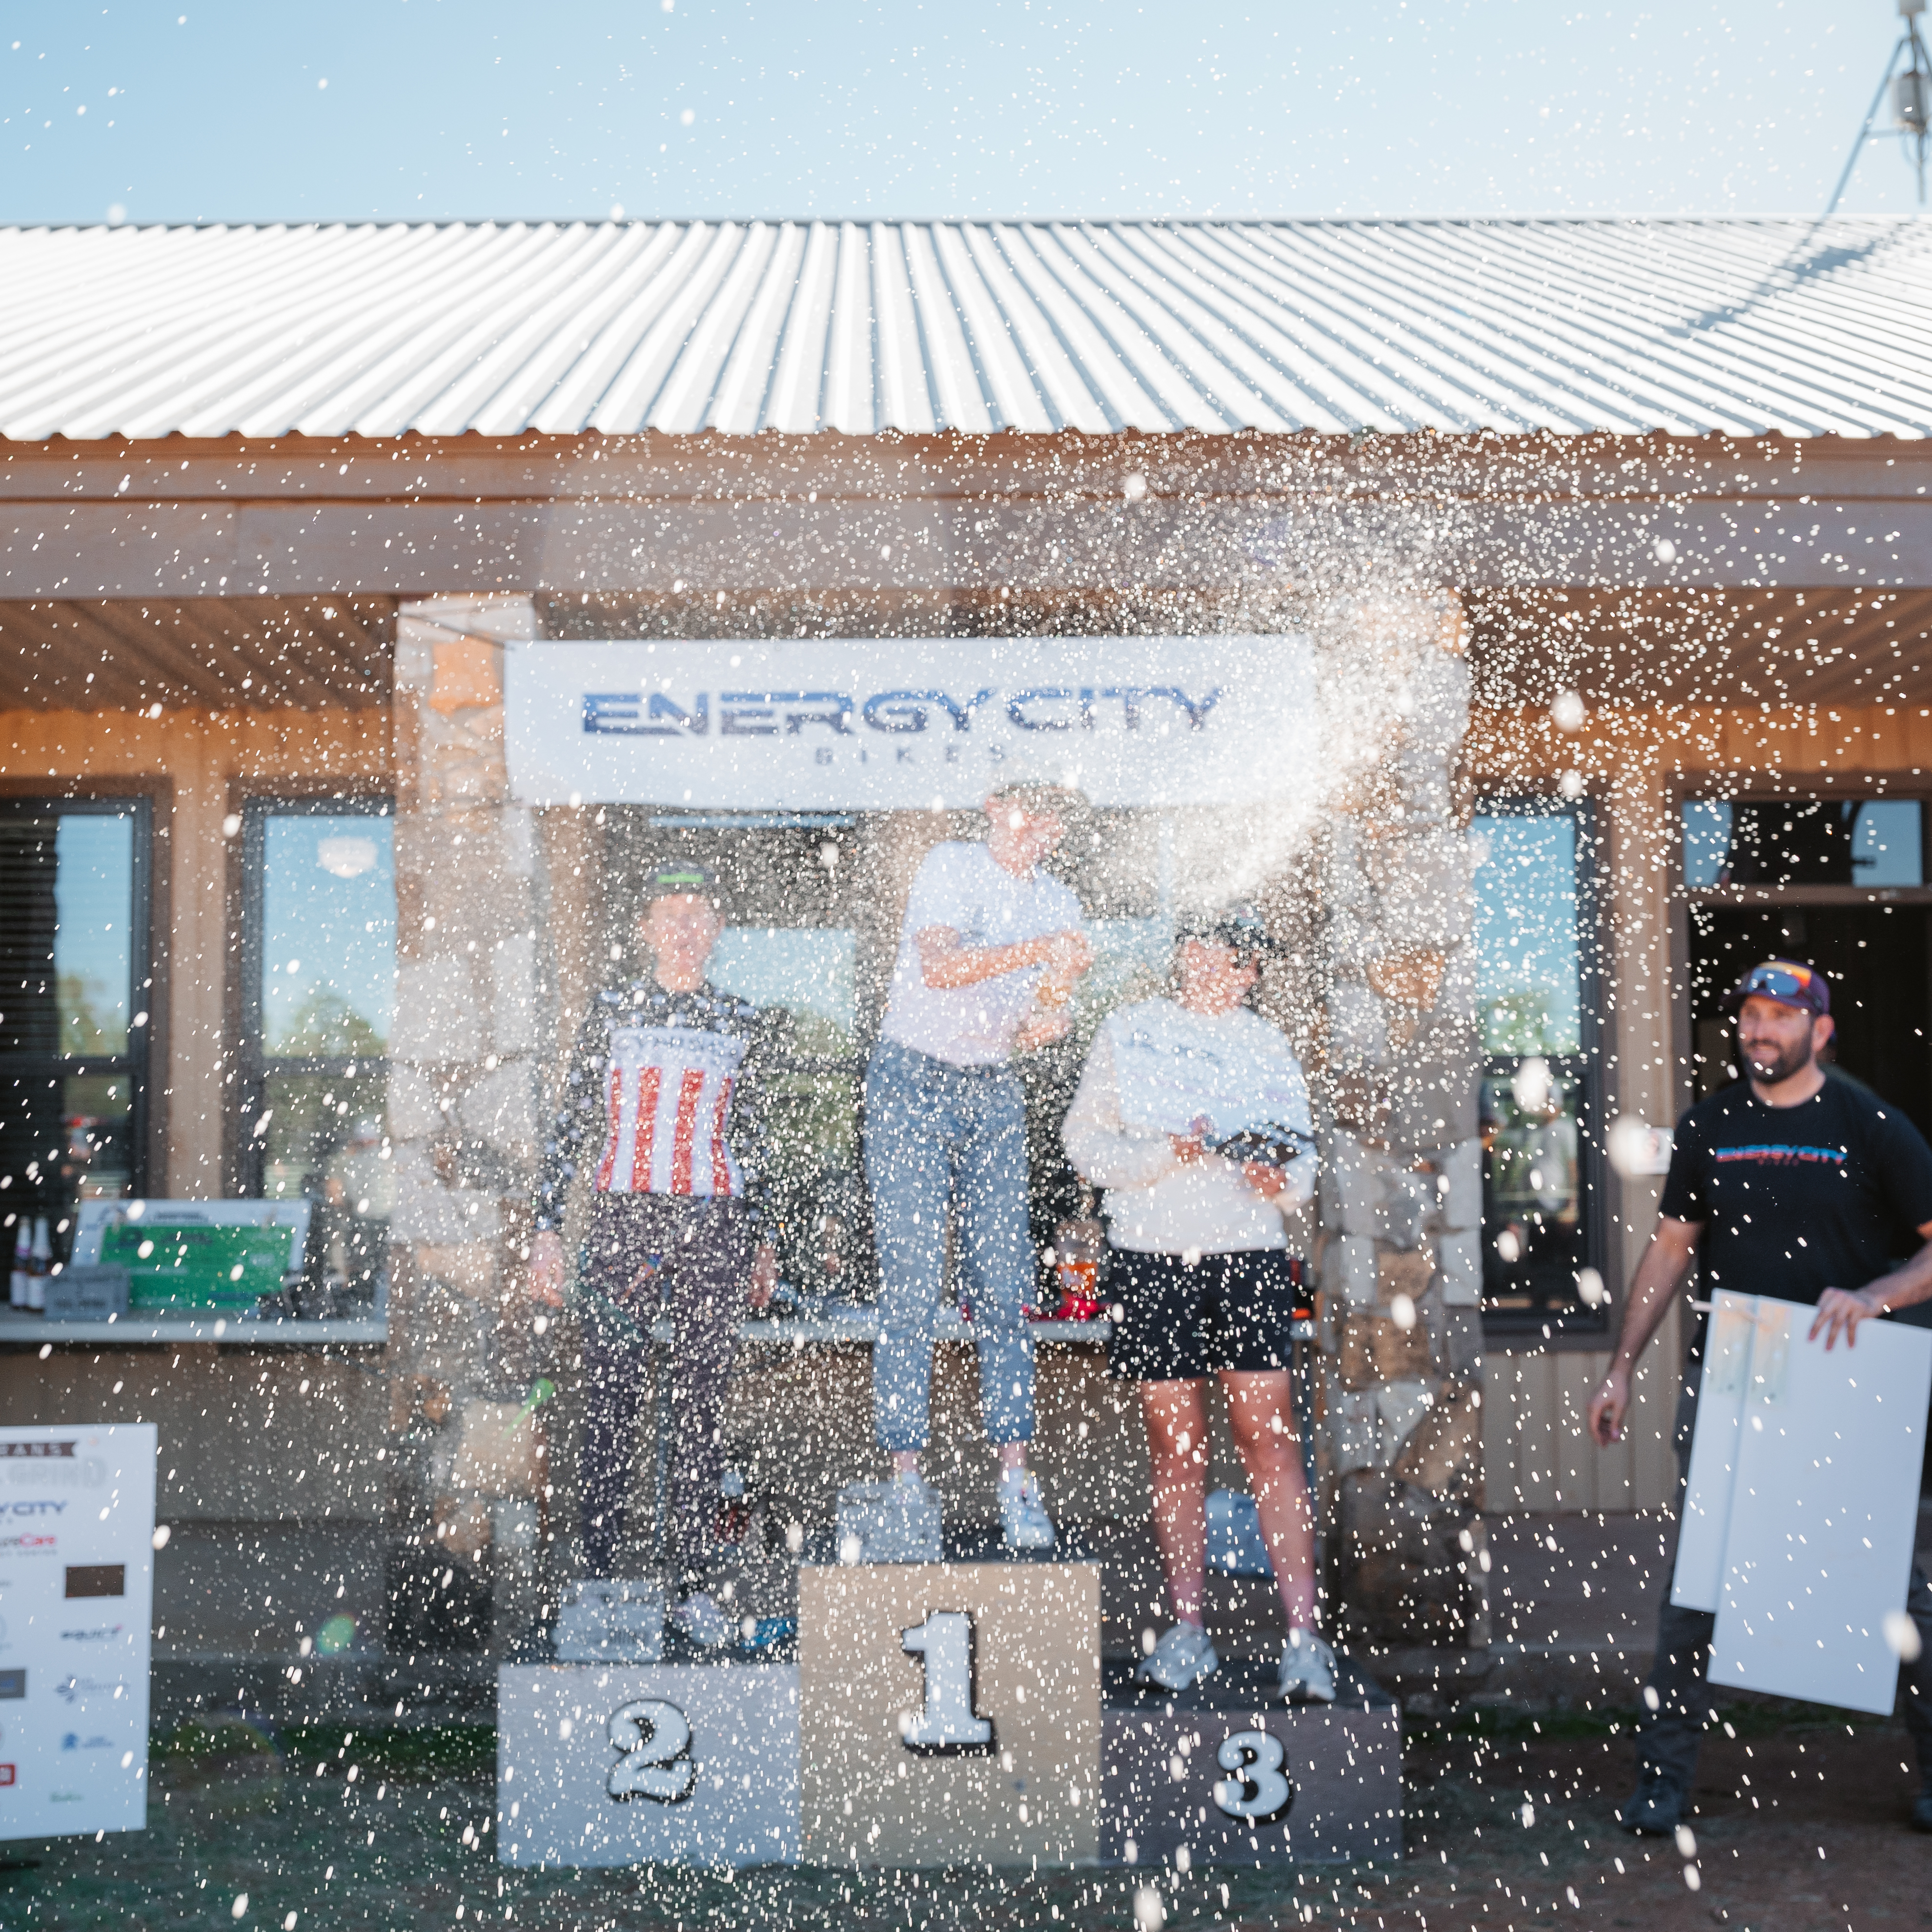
690,1260
1669,1737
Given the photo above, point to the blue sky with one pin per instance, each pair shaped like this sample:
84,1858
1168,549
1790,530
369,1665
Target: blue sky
192,110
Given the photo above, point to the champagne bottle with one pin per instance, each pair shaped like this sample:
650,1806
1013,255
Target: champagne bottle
40,1265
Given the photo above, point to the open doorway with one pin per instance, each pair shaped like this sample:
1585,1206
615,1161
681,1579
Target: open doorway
1875,957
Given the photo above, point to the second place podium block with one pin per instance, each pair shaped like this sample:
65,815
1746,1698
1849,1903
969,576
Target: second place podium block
680,1764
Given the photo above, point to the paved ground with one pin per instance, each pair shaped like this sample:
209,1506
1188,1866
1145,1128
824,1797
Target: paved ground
406,1846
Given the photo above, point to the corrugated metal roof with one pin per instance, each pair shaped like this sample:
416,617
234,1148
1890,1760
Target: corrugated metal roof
1688,326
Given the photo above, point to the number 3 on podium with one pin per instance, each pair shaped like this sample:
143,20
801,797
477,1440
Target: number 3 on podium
947,1722
1256,1788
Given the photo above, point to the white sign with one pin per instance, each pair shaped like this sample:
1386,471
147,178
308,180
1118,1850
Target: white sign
895,724
1804,1501
76,1590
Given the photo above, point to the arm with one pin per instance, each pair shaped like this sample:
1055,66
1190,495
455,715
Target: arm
582,1104
1672,1249
1101,1148
1846,1308
752,1143
945,961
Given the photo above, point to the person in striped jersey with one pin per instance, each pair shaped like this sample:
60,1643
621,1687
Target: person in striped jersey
661,1105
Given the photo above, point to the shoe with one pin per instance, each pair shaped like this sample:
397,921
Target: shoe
702,1622
1656,1808
897,1521
1307,1669
1184,1656
1023,1521
1922,1811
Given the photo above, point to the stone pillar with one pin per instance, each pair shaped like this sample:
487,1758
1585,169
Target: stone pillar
1401,1202
464,1100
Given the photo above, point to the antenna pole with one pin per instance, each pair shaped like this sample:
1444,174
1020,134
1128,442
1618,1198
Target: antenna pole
1871,114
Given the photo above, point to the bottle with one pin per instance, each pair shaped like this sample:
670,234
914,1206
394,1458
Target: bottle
1079,1245
23,1249
40,1265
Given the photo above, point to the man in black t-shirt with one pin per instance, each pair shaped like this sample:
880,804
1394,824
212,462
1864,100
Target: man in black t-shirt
1791,1183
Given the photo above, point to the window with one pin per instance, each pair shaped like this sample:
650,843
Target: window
1541,1088
1811,841
74,995
318,996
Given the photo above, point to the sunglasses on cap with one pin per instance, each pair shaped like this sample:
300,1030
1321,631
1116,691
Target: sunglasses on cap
1790,984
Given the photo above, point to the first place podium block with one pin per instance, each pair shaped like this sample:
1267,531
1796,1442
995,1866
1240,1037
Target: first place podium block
949,1714
683,1764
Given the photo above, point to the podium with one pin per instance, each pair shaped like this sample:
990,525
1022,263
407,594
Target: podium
678,1764
940,1715
950,1713
1231,1774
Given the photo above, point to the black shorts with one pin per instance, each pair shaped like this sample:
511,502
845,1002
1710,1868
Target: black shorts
1178,1320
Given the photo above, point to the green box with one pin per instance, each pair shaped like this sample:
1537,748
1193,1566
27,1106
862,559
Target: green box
199,1264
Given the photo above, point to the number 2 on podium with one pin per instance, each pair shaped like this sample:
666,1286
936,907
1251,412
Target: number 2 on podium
947,1722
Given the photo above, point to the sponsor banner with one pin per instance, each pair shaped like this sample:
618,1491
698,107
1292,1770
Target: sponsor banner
76,1589
895,724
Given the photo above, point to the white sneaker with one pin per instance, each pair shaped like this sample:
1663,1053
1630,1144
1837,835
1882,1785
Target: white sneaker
1023,1521
1184,1656
702,1622
897,1521
1307,1669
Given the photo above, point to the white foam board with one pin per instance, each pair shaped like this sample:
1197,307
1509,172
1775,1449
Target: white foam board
1824,1505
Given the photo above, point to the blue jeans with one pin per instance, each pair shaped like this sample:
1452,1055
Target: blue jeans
941,1137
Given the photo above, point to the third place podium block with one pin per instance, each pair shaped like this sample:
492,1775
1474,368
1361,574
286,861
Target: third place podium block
949,1714
1232,1775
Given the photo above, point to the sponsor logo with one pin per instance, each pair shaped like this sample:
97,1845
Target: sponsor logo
72,1689
36,1508
100,1633
8,1775
894,714
32,1452
27,1542
74,1741
13,1683
96,1580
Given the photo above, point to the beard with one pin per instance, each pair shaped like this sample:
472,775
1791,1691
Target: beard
1768,1064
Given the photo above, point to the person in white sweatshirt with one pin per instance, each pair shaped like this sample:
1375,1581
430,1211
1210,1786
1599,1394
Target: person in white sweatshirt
1199,1278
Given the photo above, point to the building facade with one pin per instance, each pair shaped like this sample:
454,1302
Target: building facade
1586,568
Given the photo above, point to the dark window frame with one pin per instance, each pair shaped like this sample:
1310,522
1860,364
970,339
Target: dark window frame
137,1064
1535,1330
254,1068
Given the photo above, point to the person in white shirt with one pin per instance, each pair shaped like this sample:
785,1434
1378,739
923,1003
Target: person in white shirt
1192,1113
989,952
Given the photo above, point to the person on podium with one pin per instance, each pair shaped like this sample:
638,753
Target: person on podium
1192,1114
989,950
664,1084
1787,1183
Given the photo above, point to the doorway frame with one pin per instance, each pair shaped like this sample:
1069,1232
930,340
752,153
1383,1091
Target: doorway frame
1685,788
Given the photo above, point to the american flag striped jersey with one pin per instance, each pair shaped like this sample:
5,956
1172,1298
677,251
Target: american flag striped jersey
661,1097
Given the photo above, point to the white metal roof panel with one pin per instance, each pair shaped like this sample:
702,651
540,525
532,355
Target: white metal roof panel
1742,326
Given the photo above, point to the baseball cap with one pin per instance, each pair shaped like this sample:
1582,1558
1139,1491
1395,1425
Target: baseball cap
1786,981
1044,787
682,875
1240,928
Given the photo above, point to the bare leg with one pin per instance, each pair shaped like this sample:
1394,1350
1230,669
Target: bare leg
1258,1406
1176,1413
905,1461
1012,1455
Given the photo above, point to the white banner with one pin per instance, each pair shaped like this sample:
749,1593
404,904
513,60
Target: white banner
881,724
77,1591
